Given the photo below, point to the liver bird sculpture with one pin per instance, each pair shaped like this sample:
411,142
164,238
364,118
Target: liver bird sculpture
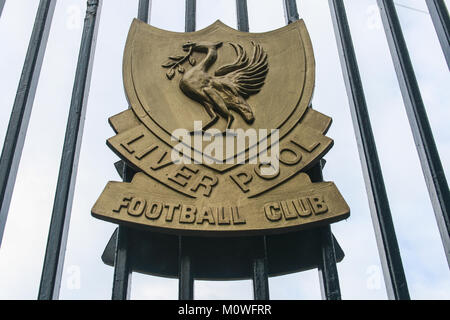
230,86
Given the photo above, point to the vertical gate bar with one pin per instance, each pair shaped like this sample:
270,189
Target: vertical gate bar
185,270
418,119
191,10
144,10
328,273
59,224
290,11
260,265
389,251
260,272
441,21
2,4
122,260
23,103
328,276
242,15
122,266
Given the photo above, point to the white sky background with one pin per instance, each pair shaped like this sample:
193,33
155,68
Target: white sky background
86,277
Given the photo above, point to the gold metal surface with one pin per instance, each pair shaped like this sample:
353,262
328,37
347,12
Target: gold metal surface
230,85
226,79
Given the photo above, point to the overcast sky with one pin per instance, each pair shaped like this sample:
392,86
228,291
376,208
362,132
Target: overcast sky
86,277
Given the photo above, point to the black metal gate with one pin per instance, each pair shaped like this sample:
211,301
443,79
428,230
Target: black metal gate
328,254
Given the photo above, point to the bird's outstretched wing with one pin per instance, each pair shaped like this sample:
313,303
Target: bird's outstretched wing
246,76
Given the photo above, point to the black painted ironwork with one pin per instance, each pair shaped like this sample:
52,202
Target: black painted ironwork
222,258
290,11
2,4
185,269
122,257
261,270
242,15
255,257
328,273
441,21
144,10
418,119
185,260
260,265
122,265
23,103
190,19
59,225
376,192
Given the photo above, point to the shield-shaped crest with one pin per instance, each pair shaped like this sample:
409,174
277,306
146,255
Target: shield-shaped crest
226,80
222,77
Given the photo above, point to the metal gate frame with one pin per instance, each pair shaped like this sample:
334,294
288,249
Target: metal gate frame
389,252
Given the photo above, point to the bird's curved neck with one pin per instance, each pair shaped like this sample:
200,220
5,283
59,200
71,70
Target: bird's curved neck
211,57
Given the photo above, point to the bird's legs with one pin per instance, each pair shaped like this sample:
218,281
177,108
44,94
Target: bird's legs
230,120
214,117
220,105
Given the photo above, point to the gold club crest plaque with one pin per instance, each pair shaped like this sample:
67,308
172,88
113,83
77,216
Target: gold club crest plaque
221,134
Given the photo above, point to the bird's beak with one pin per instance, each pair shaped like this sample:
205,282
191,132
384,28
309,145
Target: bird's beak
188,45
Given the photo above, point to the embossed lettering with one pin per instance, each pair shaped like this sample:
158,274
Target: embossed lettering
127,143
182,175
171,210
302,207
289,213
205,214
124,204
136,207
289,156
318,204
273,211
154,210
237,219
207,182
258,169
187,214
242,179
143,153
223,216
161,163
